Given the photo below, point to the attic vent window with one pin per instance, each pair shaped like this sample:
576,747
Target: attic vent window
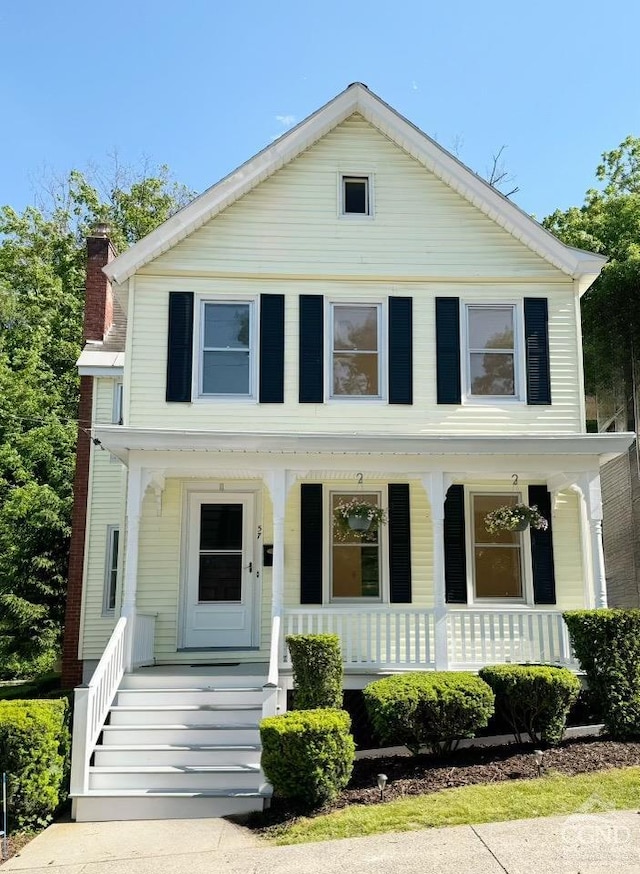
356,195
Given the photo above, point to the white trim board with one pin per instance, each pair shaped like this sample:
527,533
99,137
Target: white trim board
357,98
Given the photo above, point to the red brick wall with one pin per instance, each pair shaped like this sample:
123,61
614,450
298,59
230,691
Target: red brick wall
98,317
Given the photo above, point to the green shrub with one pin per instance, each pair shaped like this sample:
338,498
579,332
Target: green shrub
317,670
433,709
308,754
534,699
607,645
34,749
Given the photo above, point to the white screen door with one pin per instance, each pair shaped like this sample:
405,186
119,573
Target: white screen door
221,572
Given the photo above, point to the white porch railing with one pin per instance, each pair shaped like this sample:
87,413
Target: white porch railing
370,637
462,639
270,688
92,703
482,637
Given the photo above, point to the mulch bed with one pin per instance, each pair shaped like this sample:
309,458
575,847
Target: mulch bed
421,775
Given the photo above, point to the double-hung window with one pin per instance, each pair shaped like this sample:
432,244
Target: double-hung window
492,352
497,558
226,364
111,570
355,556
356,369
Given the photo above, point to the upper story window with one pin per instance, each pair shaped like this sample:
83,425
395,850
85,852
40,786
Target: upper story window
492,352
226,364
496,558
355,351
117,410
355,195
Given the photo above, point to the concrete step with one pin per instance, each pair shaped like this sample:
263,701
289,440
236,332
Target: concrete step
233,748
175,779
175,714
164,679
171,734
236,697
104,805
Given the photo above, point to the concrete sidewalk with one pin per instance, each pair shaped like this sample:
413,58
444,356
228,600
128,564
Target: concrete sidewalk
599,843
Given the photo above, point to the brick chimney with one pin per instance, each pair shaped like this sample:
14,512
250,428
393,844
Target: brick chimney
98,318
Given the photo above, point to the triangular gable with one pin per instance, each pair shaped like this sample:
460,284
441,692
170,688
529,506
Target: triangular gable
357,98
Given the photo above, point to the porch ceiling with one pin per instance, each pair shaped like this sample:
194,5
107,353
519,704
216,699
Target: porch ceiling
121,441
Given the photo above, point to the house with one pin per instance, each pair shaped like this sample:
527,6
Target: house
352,314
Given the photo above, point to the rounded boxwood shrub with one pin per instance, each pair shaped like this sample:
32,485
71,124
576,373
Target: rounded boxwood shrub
432,709
34,748
308,754
534,699
607,645
317,670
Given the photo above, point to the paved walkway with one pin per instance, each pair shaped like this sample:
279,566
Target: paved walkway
603,843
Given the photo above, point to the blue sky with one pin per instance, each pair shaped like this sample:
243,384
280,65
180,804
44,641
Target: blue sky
202,86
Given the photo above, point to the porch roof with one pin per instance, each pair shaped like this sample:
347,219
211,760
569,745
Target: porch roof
120,441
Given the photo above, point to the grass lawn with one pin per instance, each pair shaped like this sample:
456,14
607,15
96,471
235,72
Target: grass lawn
617,789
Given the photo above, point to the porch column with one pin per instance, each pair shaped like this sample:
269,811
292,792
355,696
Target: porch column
436,485
593,498
278,482
130,581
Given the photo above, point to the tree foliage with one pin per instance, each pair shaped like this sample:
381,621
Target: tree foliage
609,223
42,271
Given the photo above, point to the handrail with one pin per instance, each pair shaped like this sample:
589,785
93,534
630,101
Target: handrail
92,703
270,701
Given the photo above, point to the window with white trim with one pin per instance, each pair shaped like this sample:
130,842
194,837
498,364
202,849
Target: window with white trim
111,569
356,359
496,558
116,415
355,555
355,195
227,349
492,367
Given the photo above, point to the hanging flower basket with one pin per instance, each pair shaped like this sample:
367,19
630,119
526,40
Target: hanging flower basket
514,517
357,518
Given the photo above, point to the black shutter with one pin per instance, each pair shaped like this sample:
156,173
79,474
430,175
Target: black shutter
448,349
455,547
311,357
180,346
400,543
311,512
536,331
400,350
544,579
271,348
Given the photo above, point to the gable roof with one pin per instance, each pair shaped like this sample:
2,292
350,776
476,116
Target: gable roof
357,98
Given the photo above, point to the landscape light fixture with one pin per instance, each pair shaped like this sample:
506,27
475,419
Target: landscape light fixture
538,756
382,782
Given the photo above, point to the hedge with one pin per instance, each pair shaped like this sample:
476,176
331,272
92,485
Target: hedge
432,709
534,699
317,670
308,754
607,645
34,751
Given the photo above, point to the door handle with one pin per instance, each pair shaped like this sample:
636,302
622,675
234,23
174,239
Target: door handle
249,567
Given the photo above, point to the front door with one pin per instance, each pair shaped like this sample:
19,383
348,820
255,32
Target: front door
220,580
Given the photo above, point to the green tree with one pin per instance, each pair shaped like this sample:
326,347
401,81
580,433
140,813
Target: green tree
609,223
42,267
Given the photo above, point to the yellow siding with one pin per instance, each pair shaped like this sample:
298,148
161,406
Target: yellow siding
568,555
289,224
148,362
105,508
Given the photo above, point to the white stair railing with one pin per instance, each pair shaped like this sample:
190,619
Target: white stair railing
92,703
270,688
142,645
